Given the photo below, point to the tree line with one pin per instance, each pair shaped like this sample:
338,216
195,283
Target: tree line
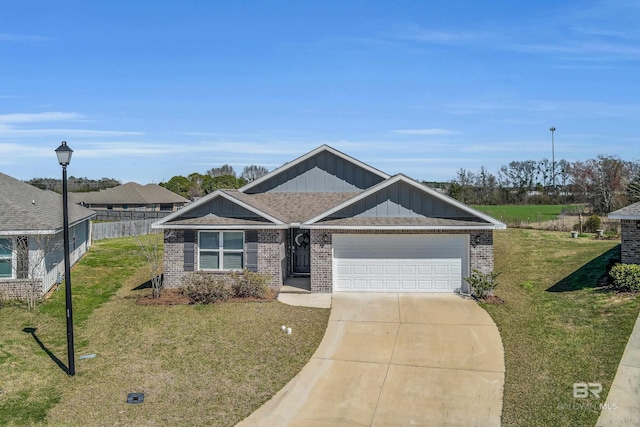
606,183
74,184
198,185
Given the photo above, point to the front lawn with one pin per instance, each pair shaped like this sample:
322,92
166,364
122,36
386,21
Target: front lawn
196,365
558,328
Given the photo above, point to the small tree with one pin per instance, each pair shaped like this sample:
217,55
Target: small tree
152,250
253,172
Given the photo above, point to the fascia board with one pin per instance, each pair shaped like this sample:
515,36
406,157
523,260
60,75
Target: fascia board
399,227
223,227
622,216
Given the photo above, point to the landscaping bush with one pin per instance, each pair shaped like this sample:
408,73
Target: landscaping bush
206,288
249,284
592,224
626,277
482,284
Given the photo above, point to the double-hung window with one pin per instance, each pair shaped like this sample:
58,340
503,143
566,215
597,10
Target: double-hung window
221,250
6,258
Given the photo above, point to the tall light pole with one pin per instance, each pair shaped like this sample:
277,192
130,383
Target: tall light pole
553,158
64,158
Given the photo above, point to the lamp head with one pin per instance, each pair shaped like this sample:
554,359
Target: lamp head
64,154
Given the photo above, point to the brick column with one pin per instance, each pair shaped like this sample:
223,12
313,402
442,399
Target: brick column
321,261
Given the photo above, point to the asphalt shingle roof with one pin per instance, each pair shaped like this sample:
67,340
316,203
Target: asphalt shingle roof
24,207
629,211
129,193
292,207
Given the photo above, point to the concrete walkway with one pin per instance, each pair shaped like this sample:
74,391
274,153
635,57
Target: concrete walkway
396,359
622,407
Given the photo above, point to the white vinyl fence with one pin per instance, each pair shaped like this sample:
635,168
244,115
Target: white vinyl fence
114,229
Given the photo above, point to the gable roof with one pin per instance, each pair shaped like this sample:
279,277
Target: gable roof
129,193
290,167
180,218
25,209
471,218
628,212
411,205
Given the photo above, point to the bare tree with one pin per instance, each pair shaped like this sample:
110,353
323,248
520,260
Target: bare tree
223,170
602,181
253,172
152,249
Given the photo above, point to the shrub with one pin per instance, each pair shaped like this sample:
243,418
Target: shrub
482,284
626,277
206,288
249,284
592,224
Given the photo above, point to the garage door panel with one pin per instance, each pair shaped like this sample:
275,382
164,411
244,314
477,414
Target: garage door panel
359,269
425,284
392,284
392,269
399,263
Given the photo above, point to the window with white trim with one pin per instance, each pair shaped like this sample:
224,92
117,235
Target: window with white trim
221,250
6,258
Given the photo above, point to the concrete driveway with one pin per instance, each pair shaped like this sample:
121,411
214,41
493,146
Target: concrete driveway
396,359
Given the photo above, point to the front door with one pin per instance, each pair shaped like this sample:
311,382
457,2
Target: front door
301,251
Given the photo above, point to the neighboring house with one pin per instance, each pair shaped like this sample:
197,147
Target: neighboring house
31,241
630,232
131,196
342,223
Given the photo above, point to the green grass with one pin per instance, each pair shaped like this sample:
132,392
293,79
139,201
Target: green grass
197,365
557,326
515,214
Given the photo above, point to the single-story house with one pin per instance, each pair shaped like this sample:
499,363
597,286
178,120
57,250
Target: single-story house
630,232
31,237
345,225
131,196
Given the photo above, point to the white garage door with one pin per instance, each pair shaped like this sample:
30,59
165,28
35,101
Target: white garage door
399,263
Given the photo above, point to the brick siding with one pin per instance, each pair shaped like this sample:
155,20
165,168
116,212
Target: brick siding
630,248
20,288
269,254
173,258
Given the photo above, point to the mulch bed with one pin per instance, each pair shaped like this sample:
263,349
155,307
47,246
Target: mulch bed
176,297
492,299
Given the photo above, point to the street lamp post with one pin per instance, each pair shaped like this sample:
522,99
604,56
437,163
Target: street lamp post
553,159
64,158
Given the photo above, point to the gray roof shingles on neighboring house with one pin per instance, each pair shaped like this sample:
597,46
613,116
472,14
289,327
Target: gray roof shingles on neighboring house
130,193
24,207
628,212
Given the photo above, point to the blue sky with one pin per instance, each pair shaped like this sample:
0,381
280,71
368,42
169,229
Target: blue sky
145,90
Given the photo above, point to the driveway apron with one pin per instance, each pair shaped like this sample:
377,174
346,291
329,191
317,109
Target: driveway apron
396,359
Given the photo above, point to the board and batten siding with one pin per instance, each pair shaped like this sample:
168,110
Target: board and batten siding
400,200
324,172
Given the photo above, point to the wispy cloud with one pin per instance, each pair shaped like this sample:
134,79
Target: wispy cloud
418,34
51,116
22,38
21,125
425,132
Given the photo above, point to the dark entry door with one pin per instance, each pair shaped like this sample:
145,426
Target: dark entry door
300,242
